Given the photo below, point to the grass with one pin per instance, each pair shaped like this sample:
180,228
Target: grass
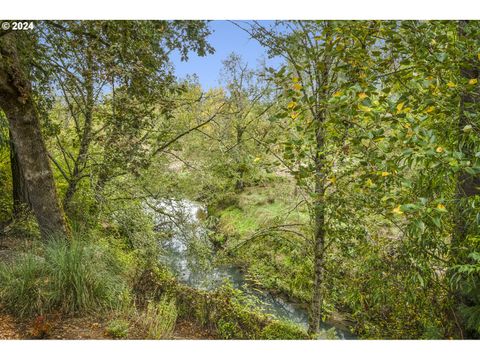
280,261
160,318
118,329
259,205
67,277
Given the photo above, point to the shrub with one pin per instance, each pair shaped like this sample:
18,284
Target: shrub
118,329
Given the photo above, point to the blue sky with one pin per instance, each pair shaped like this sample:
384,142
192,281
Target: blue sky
225,39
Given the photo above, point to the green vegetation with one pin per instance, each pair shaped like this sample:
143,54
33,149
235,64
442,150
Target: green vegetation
256,239
118,329
160,319
282,331
226,312
74,278
344,183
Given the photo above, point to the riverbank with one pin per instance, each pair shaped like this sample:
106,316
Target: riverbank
156,306
258,230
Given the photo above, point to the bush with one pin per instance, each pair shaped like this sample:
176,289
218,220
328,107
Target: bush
118,329
160,318
70,277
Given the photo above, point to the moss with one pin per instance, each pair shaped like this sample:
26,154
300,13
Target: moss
277,330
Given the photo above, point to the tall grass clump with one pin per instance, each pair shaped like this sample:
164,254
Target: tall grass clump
80,278
160,318
22,286
70,277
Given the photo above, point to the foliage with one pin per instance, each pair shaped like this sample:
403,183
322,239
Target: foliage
23,289
360,153
118,328
160,318
225,311
282,331
466,279
61,277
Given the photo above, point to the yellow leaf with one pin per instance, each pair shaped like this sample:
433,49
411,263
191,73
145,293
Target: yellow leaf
473,81
257,159
369,183
430,109
451,84
385,173
364,108
410,133
439,149
295,79
407,125
478,55
441,207
333,179
397,210
400,107
297,86
294,115
292,104
362,96
338,93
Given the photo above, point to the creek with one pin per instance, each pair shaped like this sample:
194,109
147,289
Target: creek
187,252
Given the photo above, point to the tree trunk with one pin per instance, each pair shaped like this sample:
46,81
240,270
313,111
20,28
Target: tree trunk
17,103
21,199
467,185
319,117
239,185
319,230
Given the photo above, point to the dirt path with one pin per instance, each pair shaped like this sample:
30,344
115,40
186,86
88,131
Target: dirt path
83,328
51,328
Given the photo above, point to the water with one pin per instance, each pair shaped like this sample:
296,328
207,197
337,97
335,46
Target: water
186,251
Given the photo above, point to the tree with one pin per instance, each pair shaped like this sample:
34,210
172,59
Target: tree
21,199
16,100
245,99
116,81
317,72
